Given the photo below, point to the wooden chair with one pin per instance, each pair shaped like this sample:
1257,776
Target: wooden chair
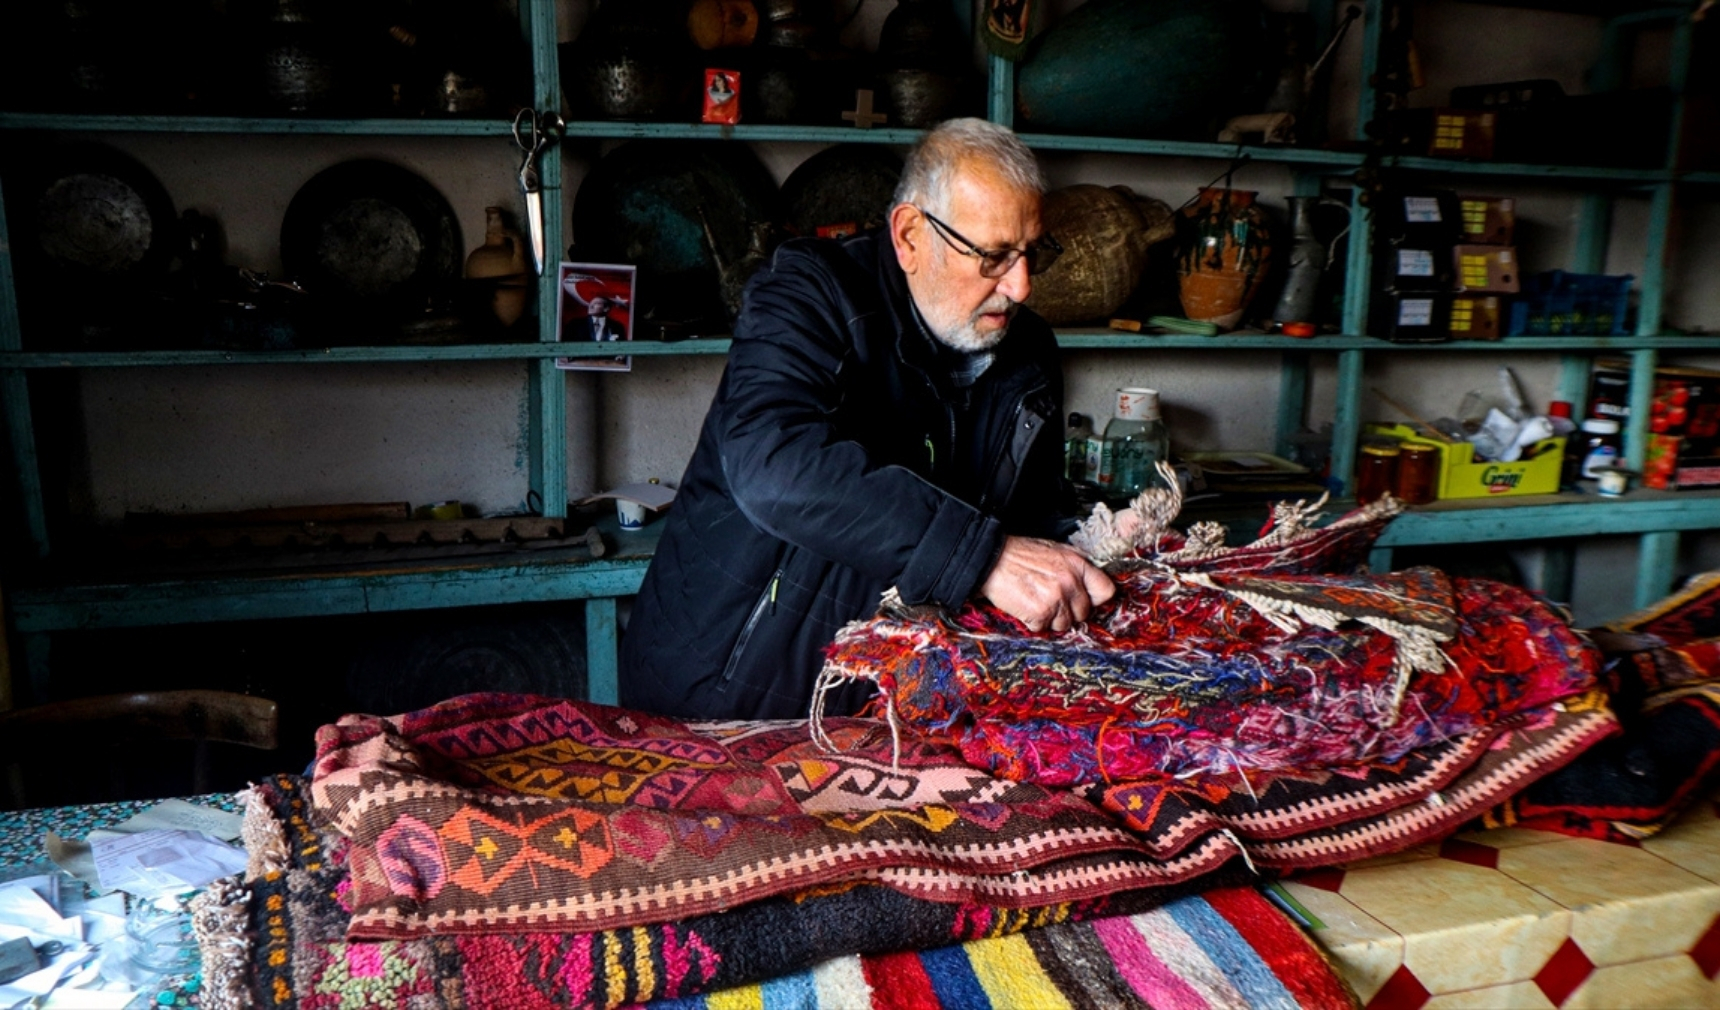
119,729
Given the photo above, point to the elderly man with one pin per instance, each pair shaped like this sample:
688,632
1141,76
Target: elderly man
889,417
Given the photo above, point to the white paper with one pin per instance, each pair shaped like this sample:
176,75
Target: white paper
164,862
1415,263
1421,209
1415,312
176,813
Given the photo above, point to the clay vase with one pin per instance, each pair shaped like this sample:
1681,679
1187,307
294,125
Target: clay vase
1226,250
1105,233
501,265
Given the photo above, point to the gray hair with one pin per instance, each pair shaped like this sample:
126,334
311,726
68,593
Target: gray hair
930,167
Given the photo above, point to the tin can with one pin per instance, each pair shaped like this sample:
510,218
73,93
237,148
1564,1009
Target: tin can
1417,480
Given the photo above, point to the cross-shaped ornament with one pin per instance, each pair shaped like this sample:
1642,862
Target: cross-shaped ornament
862,115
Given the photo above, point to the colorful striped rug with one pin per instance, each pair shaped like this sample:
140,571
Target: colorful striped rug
1226,948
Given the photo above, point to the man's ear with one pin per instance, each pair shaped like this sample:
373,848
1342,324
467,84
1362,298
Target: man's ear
908,235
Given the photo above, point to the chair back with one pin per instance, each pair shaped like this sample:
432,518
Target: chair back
40,741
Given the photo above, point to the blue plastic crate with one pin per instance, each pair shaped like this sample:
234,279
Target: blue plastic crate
1556,303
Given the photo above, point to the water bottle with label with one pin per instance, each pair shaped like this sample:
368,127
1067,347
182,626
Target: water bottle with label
1075,448
1135,441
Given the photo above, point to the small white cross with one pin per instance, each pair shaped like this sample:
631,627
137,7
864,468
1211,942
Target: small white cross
862,115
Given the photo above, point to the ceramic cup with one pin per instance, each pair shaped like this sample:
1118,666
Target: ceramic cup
630,513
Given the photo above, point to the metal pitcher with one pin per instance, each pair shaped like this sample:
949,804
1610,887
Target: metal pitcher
1309,257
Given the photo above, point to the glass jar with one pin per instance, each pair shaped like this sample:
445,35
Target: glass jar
1135,443
1376,470
1417,474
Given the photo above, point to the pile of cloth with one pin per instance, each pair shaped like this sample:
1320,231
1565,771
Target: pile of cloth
1025,819
523,852
1275,694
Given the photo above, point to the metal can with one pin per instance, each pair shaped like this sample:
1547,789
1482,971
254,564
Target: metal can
1417,474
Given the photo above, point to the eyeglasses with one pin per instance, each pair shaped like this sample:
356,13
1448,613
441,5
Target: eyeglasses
1040,253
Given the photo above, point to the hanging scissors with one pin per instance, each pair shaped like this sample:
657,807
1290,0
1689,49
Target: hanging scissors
534,131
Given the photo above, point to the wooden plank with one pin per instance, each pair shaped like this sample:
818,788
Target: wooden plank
357,534
289,514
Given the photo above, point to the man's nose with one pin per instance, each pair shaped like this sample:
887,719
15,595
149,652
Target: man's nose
1016,283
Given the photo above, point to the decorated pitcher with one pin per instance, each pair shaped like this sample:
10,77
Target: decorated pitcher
1225,255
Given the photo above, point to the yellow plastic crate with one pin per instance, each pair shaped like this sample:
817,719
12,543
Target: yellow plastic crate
1460,476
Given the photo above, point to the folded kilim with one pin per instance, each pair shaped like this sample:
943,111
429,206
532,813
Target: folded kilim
280,939
504,812
516,814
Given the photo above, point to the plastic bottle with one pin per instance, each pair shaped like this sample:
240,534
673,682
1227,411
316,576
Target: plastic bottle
1075,448
1601,446
1135,440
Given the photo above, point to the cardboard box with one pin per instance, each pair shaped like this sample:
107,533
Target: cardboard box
1477,317
1490,269
1461,476
1488,220
1462,133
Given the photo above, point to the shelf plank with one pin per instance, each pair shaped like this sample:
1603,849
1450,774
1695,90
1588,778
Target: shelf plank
525,577
1192,149
834,134
1560,516
254,124
1070,339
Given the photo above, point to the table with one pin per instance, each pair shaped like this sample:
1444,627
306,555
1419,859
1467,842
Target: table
21,854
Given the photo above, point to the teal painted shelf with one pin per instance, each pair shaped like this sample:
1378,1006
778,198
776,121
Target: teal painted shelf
1068,339
835,134
255,124
354,355
1544,517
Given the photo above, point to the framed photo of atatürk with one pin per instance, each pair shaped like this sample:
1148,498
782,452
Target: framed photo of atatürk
594,306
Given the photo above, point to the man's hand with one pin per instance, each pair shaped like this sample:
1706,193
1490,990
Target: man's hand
1045,585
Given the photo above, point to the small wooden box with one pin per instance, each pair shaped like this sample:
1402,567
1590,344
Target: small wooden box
1486,269
1462,133
1488,220
1477,317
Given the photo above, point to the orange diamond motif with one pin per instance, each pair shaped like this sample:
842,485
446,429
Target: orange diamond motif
487,850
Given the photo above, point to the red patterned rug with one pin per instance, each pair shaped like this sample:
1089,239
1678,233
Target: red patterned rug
504,813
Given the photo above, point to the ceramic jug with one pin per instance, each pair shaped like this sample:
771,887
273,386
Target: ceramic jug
501,264
1225,255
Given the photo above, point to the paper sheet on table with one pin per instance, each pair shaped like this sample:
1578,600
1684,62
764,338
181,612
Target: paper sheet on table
163,862
25,914
74,856
179,814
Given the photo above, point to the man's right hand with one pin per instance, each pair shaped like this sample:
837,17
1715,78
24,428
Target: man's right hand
1047,586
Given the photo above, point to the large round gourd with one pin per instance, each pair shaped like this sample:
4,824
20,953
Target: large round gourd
1105,233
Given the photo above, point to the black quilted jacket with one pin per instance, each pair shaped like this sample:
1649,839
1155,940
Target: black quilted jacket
837,460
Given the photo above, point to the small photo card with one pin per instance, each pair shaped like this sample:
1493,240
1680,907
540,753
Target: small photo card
595,307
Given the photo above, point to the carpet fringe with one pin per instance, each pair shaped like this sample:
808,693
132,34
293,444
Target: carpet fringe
219,918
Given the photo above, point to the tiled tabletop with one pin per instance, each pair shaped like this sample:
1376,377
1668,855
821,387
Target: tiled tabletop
1520,918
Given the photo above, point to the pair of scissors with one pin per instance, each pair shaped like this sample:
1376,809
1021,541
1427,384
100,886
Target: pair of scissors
534,131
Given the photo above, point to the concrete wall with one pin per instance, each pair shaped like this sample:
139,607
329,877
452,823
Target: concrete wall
237,437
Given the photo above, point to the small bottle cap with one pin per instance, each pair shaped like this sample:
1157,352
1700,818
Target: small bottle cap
1074,419
1559,408
1381,448
1600,426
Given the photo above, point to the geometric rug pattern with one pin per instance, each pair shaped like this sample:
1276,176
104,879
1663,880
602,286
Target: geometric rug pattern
1523,918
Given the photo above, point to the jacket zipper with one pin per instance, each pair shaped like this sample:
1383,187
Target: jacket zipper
766,604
